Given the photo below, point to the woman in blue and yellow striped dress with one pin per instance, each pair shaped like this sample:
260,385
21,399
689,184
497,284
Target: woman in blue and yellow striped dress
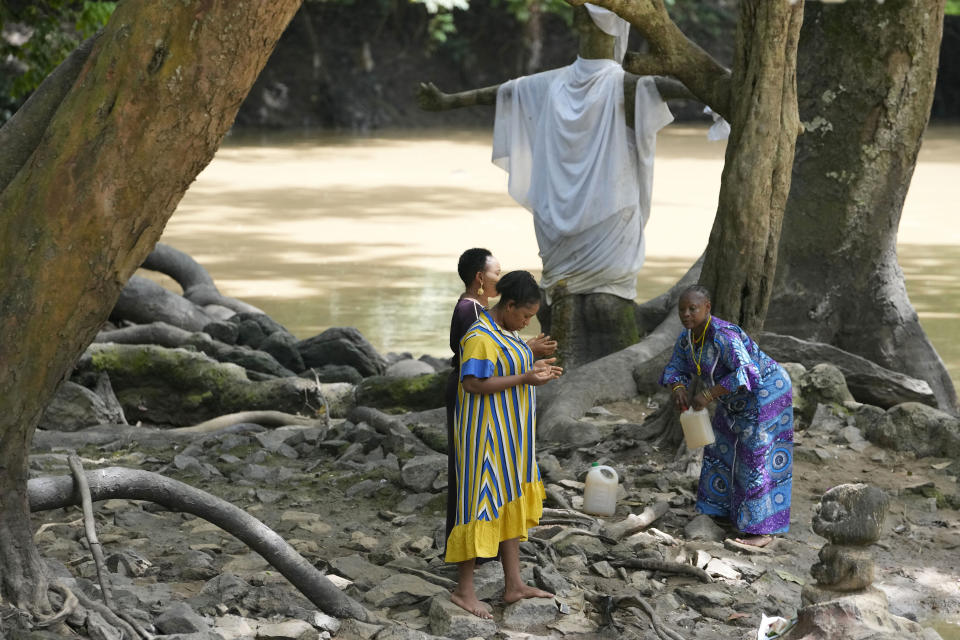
500,494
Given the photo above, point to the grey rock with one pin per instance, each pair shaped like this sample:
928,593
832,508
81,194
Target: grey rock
823,384
450,621
351,629
702,527
851,435
287,630
364,574
705,595
224,588
530,612
549,579
363,489
75,407
855,617
843,568
409,369
250,333
868,382
402,589
488,580
414,502
179,617
97,629
851,514
772,587
223,331
283,347
400,632
189,464
342,346
333,373
824,420
604,569
912,426
438,364
402,394
419,473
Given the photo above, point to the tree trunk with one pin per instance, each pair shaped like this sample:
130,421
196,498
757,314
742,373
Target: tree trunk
149,106
866,80
742,252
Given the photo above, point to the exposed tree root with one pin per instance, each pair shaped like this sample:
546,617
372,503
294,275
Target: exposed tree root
90,529
68,607
263,418
119,482
198,286
652,564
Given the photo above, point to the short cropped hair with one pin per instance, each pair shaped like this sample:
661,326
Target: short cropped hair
471,261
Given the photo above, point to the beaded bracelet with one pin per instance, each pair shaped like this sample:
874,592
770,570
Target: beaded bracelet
679,385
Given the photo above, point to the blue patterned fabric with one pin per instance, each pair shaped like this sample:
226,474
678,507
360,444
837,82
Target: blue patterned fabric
747,473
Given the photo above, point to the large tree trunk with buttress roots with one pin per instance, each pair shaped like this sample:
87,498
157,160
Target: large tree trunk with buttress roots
742,253
867,72
94,166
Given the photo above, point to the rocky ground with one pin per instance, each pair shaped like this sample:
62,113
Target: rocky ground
363,499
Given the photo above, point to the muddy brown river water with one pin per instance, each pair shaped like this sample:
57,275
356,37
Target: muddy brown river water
324,230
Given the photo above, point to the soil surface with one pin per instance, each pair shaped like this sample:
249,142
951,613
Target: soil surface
361,509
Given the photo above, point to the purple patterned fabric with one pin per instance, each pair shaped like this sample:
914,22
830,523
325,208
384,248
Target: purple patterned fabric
747,473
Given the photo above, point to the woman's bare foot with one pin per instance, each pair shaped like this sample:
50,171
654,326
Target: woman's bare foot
525,591
471,605
755,541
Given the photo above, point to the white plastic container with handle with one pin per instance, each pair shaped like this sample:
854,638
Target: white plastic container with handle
697,431
600,490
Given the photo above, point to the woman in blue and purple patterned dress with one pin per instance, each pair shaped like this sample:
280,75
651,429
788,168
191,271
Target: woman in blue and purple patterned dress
747,473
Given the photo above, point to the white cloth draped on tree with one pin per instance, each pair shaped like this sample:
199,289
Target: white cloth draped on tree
587,178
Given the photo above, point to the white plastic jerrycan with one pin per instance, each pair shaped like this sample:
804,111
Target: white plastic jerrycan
697,431
600,490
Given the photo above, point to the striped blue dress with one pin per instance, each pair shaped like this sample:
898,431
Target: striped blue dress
499,490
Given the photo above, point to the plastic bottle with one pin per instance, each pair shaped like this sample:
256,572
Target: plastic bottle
697,431
600,490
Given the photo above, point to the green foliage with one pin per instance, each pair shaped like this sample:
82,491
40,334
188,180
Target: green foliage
40,35
953,8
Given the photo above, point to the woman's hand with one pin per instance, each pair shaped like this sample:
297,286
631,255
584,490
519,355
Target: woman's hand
679,395
700,401
542,345
543,371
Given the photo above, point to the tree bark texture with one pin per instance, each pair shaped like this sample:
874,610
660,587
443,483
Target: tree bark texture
135,484
742,253
866,79
149,106
672,53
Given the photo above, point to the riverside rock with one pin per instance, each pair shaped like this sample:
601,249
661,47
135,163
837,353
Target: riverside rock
912,426
342,346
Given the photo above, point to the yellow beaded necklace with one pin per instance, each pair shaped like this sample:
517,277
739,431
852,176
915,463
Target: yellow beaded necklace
697,358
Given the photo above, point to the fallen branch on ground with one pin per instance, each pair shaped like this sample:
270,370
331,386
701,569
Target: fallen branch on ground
134,484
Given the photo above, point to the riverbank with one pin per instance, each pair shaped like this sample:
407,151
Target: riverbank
339,495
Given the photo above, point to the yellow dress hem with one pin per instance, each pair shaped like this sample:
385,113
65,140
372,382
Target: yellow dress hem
482,538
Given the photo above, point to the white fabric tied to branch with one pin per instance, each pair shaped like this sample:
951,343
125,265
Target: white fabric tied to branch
563,138
612,25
